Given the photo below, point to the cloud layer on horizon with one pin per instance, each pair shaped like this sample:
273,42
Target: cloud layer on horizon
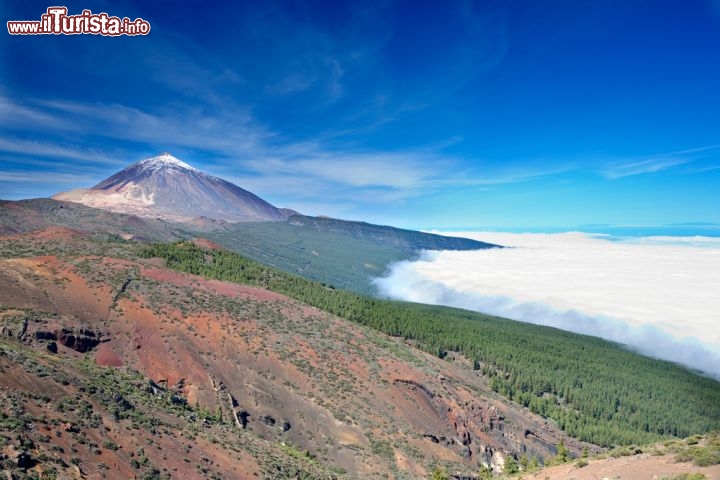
656,295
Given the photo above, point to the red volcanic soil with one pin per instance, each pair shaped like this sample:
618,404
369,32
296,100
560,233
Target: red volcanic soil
78,446
106,356
286,373
207,244
216,286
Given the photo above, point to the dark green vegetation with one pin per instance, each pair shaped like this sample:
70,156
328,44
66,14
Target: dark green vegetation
337,252
595,390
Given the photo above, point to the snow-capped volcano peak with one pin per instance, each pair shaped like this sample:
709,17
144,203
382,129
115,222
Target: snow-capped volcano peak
162,161
166,187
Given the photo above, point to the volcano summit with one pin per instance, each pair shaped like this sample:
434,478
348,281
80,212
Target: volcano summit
168,188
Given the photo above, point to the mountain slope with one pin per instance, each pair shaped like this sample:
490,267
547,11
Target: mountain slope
594,389
40,213
99,340
168,188
340,253
233,378
337,252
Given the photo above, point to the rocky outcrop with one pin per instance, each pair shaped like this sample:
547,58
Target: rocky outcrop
45,335
14,324
476,428
81,340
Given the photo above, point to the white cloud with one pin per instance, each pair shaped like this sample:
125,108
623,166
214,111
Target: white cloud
645,166
14,114
658,295
247,150
657,163
33,148
30,178
402,170
230,132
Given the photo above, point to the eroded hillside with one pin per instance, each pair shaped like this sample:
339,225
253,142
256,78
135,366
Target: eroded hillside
185,374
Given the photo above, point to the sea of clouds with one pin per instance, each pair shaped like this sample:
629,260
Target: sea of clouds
658,295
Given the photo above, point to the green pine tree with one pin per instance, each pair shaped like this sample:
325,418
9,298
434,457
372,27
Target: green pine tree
486,473
511,465
439,474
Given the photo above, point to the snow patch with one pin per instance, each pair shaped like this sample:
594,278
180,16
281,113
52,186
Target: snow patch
164,160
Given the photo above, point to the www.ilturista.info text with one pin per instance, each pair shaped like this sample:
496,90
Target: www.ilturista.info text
56,21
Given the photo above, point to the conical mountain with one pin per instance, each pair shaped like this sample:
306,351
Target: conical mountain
166,187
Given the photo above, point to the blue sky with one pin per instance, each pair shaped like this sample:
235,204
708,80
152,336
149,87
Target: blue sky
415,114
